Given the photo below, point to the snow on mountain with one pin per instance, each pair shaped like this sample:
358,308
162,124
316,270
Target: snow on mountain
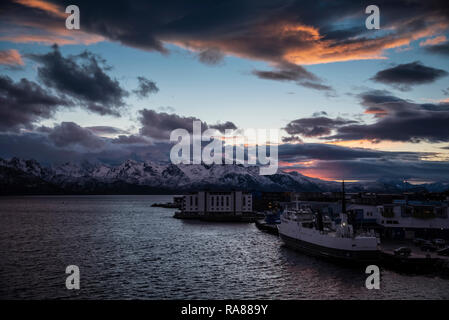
146,177
31,167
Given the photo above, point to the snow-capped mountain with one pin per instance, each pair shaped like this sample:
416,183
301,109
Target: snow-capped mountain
28,176
142,177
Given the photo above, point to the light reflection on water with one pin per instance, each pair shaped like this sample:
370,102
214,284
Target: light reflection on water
128,250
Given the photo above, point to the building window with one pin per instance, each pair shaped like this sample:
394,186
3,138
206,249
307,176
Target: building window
388,212
440,212
196,201
423,212
227,201
212,201
244,201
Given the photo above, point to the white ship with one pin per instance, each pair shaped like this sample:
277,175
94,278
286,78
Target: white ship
313,234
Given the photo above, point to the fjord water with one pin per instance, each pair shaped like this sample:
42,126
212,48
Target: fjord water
126,249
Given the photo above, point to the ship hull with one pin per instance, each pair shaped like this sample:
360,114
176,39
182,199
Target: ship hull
345,256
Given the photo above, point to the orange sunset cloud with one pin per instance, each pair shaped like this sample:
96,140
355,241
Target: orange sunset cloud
11,57
44,6
45,31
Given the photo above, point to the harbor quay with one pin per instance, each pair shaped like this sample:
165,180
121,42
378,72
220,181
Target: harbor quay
409,231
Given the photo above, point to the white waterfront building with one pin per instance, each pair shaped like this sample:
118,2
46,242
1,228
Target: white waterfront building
232,202
414,215
407,220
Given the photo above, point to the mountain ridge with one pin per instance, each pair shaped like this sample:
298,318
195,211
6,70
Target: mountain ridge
20,176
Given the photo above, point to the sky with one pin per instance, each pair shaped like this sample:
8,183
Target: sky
351,103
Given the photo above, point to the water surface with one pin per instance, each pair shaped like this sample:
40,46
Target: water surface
126,249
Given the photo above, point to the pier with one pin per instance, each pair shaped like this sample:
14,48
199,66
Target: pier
418,261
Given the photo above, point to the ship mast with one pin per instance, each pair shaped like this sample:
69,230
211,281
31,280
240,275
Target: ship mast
405,193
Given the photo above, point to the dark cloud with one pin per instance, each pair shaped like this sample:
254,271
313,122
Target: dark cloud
301,32
321,151
323,160
98,130
315,126
431,127
295,73
336,162
379,98
69,133
291,139
281,32
441,49
131,139
286,72
401,120
382,102
375,169
82,77
211,56
396,120
146,87
264,30
25,102
330,33
159,125
404,76
316,86
43,129
332,162
378,112
446,91
228,125
33,145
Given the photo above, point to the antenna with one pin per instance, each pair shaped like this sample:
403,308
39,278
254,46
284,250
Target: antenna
343,200
405,192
